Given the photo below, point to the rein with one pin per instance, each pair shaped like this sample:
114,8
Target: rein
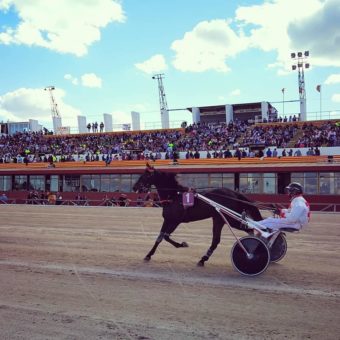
260,205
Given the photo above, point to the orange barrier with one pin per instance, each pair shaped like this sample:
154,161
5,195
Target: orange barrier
183,162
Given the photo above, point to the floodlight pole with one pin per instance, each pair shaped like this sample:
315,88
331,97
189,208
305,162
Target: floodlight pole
162,98
54,106
300,65
56,118
162,101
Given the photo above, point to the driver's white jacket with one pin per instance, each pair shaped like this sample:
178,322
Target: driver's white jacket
298,211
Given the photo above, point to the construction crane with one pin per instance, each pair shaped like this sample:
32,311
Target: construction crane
56,117
54,107
162,98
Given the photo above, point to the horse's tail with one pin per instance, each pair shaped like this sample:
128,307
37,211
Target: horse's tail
254,213
251,209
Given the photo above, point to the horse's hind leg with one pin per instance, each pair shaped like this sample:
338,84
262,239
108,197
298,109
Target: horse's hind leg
217,229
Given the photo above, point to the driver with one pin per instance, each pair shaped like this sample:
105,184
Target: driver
296,216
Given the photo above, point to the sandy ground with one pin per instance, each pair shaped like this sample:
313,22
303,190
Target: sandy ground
78,273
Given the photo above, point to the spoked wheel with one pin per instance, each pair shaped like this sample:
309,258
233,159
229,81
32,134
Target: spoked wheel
279,248
258,259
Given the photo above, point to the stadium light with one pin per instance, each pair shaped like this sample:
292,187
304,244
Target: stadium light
299,65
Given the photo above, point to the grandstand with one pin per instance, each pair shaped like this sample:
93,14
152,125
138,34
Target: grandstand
233,155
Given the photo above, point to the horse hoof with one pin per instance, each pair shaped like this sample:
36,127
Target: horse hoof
147,258
184,245
200,264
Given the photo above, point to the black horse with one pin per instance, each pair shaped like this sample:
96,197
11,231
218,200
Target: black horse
174,212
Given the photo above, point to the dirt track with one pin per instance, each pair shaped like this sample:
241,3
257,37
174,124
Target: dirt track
78,273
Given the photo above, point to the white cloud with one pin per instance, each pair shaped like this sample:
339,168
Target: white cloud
86,80
91,80
269,25
319,33
63,26
281,26
333,79
207,46
153,65
120,117
236,92
72,79
336,97
28,103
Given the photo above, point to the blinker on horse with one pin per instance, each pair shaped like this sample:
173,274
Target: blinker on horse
175,213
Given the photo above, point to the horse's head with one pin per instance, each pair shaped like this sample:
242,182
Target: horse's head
145,181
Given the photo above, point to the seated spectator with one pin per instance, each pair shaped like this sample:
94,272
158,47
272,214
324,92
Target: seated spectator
269,153
51,198
3,198
123,200
139,201
148,203
59,199
297,153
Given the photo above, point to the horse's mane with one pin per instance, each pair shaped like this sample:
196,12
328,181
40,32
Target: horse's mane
169,181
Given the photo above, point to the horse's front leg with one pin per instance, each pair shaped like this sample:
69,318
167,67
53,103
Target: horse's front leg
217,229
174,243
155,246
168,230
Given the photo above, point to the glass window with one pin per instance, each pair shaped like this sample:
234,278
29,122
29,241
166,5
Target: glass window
90,182
257,183
216,181
5,183
54,187
269,183
122,183
309,180
250,183
337,183
197,181
229,181
326,181
311,183
71,183
105,181
114,183
125,184
20,182
37,182
134,179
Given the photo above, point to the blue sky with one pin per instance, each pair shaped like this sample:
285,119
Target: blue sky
101,56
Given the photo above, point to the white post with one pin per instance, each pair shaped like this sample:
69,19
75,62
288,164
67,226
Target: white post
165,119
196,115
56,124
82,124
107,122
303,109
229,113
264,111
135,119
34,125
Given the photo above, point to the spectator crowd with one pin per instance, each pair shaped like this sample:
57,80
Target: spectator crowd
216,140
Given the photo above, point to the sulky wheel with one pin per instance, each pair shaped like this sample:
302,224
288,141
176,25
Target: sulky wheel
279,248
258,259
